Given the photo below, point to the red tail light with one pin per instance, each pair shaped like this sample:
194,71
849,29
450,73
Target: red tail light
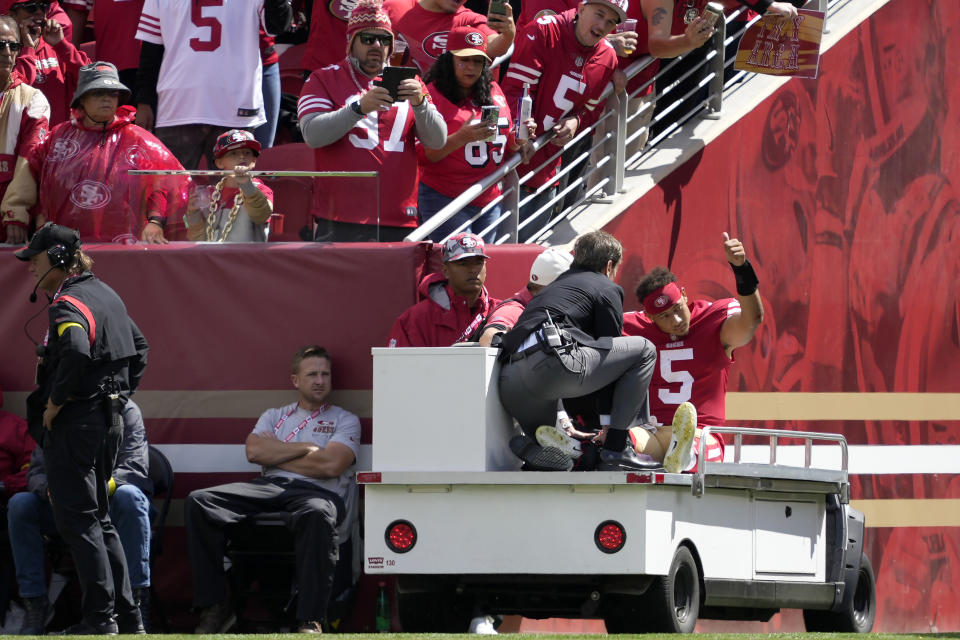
401,536
610,536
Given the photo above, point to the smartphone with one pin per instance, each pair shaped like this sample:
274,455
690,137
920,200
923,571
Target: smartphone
497,6
490,115
391,78
711,13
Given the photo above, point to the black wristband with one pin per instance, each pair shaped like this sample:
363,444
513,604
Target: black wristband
157,220
746,278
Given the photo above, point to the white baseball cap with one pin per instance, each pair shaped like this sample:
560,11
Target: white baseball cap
550,264
619,6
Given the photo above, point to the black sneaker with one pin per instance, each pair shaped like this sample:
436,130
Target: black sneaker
626,460
141,596
539,458
130,623
87,629
35,616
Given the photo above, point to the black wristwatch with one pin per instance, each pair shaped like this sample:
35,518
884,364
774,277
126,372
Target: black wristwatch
157,220
355,107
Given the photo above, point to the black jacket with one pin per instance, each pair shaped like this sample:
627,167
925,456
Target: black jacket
586,303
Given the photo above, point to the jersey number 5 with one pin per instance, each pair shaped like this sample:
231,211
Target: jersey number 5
560,100
199,20
667,358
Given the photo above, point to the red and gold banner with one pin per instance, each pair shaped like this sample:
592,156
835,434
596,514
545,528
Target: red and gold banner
779,47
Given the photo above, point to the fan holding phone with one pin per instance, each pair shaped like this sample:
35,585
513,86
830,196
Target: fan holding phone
480,134
360,115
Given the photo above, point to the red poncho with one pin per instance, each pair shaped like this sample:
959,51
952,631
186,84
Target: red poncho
84,184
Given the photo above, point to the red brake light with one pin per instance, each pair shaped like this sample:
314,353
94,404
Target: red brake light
401,536
610,536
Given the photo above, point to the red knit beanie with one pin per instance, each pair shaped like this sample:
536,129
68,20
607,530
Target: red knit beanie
368,14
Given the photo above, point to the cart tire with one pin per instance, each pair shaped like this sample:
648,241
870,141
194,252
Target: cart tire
626,614
860,612
673,600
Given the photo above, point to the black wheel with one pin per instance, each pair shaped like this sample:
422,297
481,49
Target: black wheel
673,600
858,615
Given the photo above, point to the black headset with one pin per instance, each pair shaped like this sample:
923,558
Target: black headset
60,254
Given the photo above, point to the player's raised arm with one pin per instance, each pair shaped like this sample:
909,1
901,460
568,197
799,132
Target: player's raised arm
738,329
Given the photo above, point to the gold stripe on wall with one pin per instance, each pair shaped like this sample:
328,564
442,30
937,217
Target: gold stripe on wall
843,406
249,404
932,512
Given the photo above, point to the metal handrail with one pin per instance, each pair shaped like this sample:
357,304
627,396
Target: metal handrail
774,435
613,172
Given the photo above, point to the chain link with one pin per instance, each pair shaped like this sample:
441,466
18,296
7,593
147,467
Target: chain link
215,208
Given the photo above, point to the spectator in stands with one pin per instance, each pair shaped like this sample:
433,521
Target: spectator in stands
460,83
81,169
568,51
270,86
328,31
30,518
15,448
677,27
425,25
307,450
203,73
23,114
568,343
239,207
695,341
48,60
453,303
114,30
545,269
354,125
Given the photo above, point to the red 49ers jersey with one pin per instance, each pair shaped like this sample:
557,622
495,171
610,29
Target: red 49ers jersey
692,368
426,31
382,141
327,42
565,78
471,162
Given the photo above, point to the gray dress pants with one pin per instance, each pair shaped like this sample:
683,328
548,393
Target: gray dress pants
531,386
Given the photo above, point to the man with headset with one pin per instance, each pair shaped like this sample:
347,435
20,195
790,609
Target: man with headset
91,362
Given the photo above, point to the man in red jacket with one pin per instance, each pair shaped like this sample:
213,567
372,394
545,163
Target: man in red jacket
453,303
16,445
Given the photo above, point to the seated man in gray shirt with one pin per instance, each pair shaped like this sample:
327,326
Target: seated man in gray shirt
307,450
354,124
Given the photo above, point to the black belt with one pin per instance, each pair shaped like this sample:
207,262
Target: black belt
529,351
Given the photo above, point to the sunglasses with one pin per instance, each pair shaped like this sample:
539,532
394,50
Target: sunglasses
371,38
10,46
32,6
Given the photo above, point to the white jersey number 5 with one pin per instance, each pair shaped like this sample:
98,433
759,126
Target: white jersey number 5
667,359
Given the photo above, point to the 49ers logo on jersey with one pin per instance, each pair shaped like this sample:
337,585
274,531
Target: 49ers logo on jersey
342,8
135,156
435,44
544,12
64,149
90,194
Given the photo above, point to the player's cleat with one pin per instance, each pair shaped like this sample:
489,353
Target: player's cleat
680,450
549,436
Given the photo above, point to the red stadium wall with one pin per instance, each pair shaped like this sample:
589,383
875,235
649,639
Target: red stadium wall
842,190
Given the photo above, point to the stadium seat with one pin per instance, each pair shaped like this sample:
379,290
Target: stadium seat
89,48
292,196
291,69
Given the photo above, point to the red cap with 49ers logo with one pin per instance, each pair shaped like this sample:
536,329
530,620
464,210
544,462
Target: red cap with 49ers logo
235,139
467,41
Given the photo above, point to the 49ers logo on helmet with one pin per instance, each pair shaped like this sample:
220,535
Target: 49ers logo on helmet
342,8
475,38
435,44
